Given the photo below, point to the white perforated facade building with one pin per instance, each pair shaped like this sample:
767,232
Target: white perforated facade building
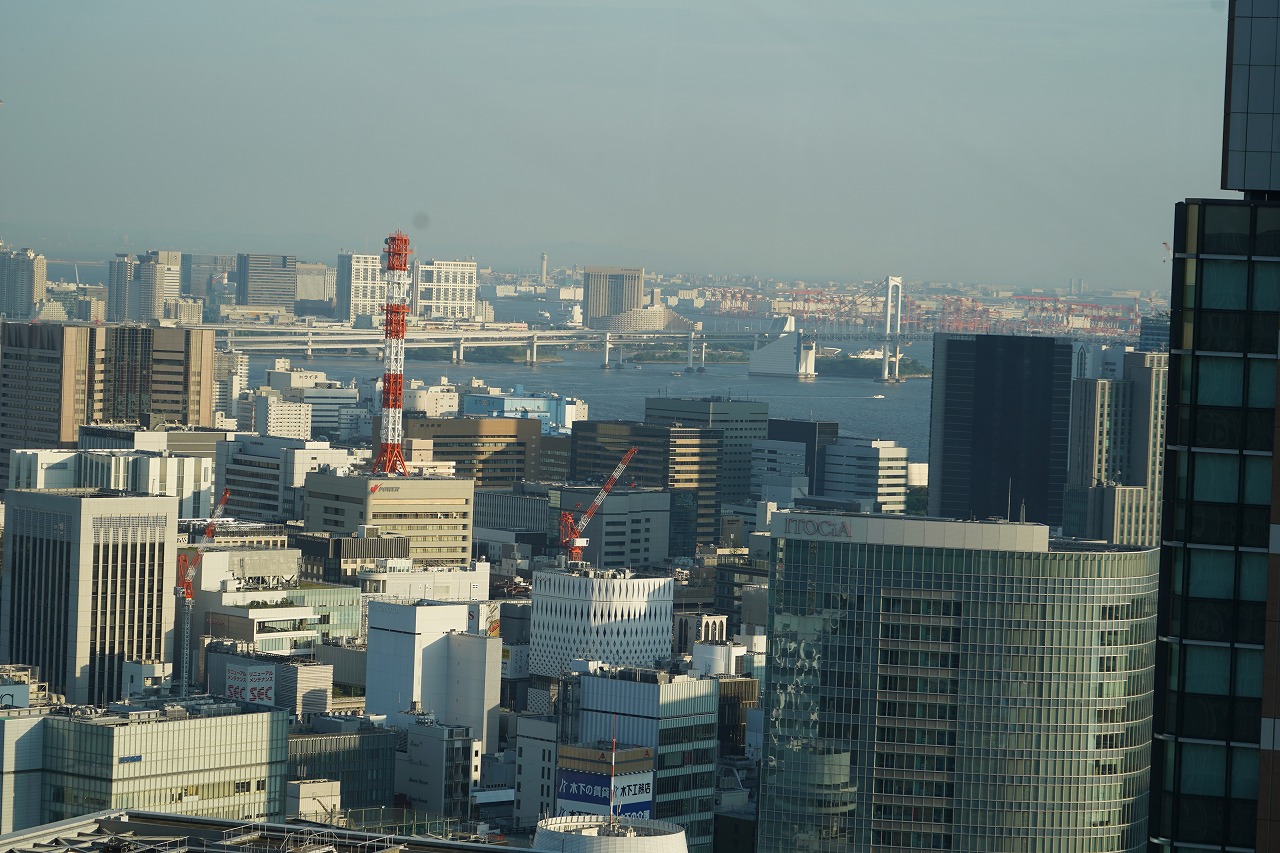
608,616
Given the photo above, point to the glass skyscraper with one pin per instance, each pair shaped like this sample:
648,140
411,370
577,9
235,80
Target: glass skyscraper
950,685
1213,781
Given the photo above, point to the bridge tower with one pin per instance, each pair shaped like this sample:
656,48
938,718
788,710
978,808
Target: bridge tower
892,328
390,458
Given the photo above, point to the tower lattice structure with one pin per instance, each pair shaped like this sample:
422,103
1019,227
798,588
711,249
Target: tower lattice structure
390,459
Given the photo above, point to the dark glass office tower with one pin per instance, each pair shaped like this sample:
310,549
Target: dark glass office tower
999,427
1215,774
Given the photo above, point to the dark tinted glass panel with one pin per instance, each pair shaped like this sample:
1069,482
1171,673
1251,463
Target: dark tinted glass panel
1255,527
1209,619
1214,524
1259,429
1250,622
1226,230
1222,331
1217,427
1263,329
1246,716
1268,239
1200,818
1242,823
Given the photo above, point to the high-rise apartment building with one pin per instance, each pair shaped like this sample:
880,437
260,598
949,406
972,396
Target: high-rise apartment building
1115,466
158,375
198,272
359,289
230,377
87,586
743,422
443,290
684,461
1215,780
22,282
159,277
954,685
998,427
267,280
55,378
608,291
122,288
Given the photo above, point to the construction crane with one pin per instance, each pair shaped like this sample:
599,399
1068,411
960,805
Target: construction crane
186,575
571,538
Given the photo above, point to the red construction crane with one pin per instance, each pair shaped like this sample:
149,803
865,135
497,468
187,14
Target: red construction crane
186,575
571,538
395,319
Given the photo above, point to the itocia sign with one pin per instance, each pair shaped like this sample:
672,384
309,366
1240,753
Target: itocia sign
829,528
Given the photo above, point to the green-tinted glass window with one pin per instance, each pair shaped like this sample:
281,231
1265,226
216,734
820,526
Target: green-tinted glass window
1208,670
1266,286
1220,381
1253,576
1217,478
1223,285
1244,773
1262,383
1226,230
1204,769
1257,480
1212,573
1248,678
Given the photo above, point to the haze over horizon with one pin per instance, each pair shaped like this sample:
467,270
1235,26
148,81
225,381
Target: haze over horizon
987,141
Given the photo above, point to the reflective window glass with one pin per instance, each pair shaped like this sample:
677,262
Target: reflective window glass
1204,769
1217,477
1223,284
1220,381
1212,573
1208,670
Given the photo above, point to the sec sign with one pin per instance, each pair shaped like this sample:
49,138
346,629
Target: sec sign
256,684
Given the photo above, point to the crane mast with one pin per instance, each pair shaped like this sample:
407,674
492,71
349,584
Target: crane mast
390,459
571,538
186,576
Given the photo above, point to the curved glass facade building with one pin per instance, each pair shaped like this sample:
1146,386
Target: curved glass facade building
949,685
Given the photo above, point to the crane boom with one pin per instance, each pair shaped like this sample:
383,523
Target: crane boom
186,576
571,529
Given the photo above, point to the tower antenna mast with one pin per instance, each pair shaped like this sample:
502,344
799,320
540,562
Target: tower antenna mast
390,459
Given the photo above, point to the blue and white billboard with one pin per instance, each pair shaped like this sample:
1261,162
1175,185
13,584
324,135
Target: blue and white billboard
581,793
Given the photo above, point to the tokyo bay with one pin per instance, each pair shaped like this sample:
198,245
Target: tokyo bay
902,414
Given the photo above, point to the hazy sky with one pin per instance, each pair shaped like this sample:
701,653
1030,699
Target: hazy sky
1017,141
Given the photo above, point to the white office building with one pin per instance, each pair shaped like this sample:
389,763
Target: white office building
266,474
609,616
187,478
87,585
360,288
443,290
872,472
421,656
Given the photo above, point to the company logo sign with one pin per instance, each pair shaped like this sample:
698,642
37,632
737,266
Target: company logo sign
825,528
256,684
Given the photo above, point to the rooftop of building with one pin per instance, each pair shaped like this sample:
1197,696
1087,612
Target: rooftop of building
139,711
130,831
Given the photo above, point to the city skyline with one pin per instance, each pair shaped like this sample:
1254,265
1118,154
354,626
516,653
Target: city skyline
985,143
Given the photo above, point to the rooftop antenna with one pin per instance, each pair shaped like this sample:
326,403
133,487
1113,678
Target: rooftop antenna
613,772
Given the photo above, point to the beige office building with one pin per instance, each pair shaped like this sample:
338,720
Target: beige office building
87,586
434,513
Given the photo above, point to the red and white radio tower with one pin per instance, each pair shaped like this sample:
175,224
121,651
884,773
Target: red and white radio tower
391,454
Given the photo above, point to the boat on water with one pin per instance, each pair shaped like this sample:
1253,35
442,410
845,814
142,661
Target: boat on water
877,396
676,373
